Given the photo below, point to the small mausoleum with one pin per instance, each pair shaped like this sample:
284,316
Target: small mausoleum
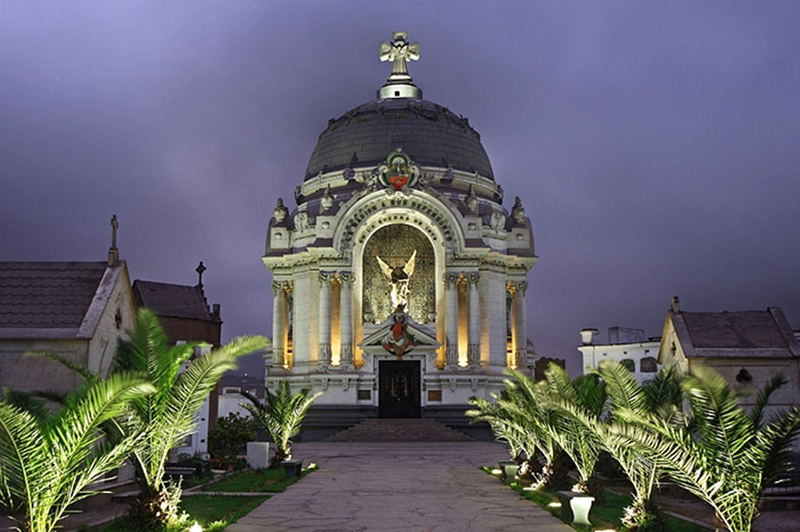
399,277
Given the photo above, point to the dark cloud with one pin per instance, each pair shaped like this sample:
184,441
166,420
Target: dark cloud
655,146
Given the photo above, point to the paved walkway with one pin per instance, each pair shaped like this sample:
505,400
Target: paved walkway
398,486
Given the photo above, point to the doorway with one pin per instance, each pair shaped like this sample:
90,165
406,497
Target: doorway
399,389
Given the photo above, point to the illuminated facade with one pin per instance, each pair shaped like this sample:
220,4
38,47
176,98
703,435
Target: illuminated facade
399,279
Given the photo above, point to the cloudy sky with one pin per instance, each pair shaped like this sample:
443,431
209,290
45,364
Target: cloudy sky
655,145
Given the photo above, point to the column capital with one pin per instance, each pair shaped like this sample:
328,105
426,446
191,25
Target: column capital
281,286
473,278
347,277
325,277
451,278
518,286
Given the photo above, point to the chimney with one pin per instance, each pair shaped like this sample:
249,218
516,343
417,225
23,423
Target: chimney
676,305
587,335
215,310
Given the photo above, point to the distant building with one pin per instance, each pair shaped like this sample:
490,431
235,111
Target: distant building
79,310
747,348
185,316
182,310
629,347
230,396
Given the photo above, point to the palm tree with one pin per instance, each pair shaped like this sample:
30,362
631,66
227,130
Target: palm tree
168,416
719,453
518,416
47,460
281,415
587,394
661,396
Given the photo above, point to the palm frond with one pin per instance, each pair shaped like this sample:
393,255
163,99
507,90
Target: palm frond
762,398
73,366
622,387
27,401
723,426
20,463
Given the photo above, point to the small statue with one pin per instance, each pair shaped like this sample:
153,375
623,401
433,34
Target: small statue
326,202
518,211
301,222
281,212
398,277
471,201
497,221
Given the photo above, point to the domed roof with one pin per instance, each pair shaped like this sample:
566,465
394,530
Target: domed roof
430,134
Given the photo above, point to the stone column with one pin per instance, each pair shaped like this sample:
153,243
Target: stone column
346,318
494,334
451,325
278,322
324,320
520,333
474,317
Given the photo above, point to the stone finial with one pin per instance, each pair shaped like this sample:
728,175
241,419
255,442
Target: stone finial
471,200
200,269
675,304
113,252
280,212
326,202
587,336
518,211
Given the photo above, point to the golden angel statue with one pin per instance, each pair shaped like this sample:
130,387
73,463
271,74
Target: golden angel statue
398,277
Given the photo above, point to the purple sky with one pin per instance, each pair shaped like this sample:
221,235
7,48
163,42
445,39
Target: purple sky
655,146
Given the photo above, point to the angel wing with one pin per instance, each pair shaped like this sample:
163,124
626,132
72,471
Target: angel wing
409,267
385,51
385,268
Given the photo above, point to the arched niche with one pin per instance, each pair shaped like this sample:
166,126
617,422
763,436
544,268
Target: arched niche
395,244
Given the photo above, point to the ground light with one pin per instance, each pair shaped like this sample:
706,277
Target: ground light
196,527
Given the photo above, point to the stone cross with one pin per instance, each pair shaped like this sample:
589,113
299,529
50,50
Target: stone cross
400,51
113,252
200,269
114,227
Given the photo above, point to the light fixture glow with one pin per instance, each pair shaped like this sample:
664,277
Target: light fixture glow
196,527
554,505
497,471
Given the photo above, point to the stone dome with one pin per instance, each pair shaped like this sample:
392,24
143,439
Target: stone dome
430,134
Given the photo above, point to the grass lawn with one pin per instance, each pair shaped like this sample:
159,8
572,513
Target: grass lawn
215,512
258,481
606,514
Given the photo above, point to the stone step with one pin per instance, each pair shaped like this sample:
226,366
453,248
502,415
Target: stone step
406,430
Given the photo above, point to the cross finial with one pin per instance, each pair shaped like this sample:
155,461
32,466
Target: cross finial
113,252
200,269
400,52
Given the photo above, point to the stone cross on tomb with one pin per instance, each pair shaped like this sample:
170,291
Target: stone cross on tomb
114,227
200,269
113,252
400,51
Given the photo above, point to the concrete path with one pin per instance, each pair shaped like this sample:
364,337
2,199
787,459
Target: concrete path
398,486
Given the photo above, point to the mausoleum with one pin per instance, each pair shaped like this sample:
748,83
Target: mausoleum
399,278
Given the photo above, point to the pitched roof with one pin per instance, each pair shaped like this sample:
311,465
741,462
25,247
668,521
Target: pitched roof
173,300
53,299
47,294
753,333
